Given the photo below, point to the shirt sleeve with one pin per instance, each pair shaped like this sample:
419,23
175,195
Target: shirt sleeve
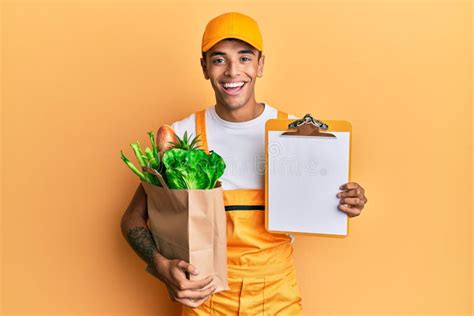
175,127
187,124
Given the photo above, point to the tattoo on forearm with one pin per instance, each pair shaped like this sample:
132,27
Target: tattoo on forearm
141,240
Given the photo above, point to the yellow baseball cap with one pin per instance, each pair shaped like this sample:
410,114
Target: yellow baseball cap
232,25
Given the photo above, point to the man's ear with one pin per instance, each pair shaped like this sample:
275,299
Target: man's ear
261,62
204,68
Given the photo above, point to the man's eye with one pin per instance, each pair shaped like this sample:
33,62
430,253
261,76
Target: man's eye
218,61
245,59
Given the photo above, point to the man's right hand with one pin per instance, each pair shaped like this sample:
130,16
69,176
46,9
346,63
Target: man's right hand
180,289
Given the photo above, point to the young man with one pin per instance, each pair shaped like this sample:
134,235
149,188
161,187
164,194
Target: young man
261,271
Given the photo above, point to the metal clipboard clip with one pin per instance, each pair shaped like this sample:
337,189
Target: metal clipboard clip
308,126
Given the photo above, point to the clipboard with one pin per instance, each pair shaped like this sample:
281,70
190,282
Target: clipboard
305,163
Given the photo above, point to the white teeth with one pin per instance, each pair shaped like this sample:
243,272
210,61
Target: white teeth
233,85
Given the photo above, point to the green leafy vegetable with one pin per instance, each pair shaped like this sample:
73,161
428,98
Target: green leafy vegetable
192,169
148,159
217,166
154,148
183,166
132,167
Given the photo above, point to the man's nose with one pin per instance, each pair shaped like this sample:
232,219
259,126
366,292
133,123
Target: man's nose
232,69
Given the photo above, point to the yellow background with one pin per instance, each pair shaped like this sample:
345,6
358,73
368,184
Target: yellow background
83,79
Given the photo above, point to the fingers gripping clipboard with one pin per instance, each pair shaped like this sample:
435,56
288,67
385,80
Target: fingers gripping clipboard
306,161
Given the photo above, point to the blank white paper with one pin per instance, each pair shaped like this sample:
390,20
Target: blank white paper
304,175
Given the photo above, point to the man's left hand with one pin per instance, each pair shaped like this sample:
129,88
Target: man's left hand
352,199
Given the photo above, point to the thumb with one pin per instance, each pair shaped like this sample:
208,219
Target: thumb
188,267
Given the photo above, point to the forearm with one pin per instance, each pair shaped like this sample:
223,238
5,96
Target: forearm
139,237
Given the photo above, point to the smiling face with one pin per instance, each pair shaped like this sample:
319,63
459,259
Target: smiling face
233,66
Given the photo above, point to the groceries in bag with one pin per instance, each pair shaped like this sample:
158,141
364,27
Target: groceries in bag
185,201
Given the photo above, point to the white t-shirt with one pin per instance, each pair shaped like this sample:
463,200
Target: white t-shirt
240,144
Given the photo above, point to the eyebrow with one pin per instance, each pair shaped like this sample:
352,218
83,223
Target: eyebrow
243,51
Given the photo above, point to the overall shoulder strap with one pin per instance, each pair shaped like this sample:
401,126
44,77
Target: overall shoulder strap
201,129
282,115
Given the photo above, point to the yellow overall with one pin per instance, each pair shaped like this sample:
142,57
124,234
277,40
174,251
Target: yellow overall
261,272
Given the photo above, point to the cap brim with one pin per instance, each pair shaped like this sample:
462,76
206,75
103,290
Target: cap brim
213,42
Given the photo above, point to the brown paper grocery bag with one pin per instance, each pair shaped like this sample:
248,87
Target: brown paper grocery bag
190,225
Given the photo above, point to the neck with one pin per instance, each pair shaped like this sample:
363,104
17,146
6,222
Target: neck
245,113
